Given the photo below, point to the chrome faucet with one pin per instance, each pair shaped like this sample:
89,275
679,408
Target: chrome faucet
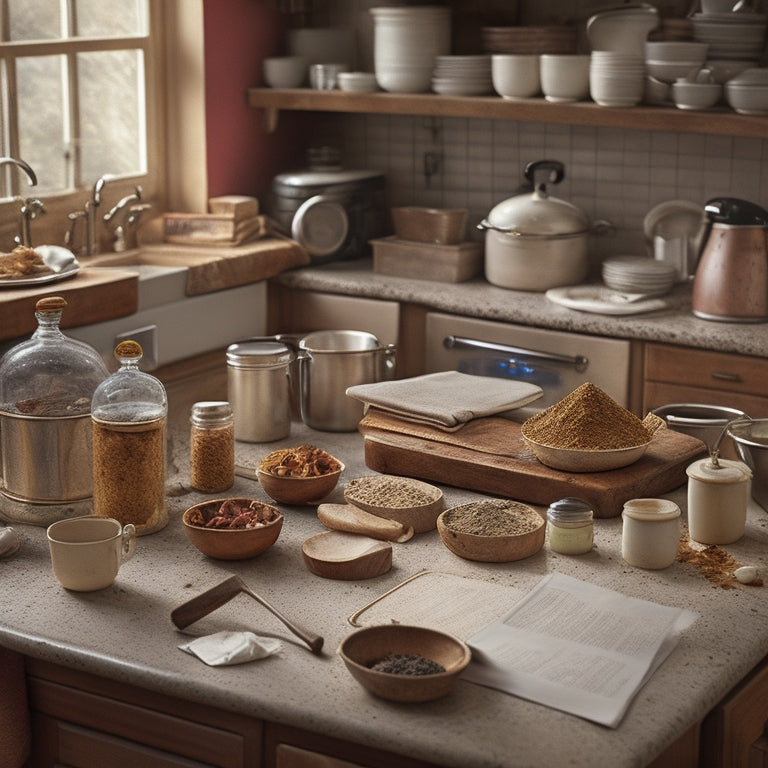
124,214
30,207
91,220
122,205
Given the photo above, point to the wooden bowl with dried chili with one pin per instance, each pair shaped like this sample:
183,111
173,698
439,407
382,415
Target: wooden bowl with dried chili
297,476
233,529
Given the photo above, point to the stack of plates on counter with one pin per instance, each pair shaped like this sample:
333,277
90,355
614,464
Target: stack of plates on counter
462,75
639,275
731,35
531,40
616,79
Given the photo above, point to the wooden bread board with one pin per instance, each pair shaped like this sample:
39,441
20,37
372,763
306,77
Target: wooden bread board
489,455
427,261
92,296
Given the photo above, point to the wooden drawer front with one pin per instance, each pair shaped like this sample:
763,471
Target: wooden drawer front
150,728
656,394
710,370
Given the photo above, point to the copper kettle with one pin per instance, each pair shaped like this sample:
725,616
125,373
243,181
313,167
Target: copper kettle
731,279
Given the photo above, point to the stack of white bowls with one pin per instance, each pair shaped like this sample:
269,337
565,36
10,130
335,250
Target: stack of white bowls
668,60
406,42
747,93
616,79
462,75
639,274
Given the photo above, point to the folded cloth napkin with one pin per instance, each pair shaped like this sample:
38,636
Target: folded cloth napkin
447,399
223,648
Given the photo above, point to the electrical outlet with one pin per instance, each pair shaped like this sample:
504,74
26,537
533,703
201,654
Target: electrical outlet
147,337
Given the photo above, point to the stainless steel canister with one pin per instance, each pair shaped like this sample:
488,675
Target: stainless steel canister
46,460
331,361
259,386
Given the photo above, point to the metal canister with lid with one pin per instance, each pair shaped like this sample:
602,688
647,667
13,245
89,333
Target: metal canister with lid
259,386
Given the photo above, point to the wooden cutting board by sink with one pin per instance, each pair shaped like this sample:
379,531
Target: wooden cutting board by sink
92,295
490,456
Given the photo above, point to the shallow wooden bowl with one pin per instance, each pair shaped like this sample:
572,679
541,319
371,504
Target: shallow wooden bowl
492,549
420,517
574,460
228,543
369,645
346,556
298,490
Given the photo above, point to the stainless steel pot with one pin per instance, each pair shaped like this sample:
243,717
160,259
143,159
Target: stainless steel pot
331,361
705,422
536,242
751,438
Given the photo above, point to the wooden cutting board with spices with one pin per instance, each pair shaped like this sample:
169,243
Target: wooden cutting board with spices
489,455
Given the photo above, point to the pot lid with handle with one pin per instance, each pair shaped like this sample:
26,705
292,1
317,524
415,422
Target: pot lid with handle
735,212
538,214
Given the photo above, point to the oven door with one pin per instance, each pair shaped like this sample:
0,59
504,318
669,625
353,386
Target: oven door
557,361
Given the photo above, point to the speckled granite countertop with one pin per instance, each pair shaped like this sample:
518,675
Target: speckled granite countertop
124,633
674,325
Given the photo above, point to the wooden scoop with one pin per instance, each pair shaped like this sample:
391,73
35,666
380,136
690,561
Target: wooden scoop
352,519
215,597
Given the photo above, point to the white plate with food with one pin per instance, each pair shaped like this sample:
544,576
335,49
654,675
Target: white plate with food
33,266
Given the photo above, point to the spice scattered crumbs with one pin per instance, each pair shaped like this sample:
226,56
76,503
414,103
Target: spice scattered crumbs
716,564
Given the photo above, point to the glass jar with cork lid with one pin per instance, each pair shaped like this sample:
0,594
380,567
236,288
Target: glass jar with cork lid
129,412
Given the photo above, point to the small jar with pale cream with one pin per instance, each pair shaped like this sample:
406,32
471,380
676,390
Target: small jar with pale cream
570,525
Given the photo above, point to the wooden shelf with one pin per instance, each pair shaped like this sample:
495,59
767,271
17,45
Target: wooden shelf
720,122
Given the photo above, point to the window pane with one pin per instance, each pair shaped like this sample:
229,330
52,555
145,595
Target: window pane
111,85
34,19
104,18
42,128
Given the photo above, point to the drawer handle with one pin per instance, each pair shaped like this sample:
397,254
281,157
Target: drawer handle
725,376
579,362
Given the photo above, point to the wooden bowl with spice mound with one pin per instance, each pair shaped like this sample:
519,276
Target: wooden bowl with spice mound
404,663
492,530
303,475
410,502
232,529
586,431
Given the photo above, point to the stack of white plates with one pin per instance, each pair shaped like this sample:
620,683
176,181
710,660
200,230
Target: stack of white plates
731,35
462,75
406,42
616,79
639,274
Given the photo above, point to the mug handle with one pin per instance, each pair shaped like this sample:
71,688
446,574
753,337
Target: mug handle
128,540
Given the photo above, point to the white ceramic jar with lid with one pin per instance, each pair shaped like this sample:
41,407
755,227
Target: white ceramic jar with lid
650,533
718,493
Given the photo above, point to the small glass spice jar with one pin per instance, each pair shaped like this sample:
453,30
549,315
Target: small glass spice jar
650,535
212,446
571,527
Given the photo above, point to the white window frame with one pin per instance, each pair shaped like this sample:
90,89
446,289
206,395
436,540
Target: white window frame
53,224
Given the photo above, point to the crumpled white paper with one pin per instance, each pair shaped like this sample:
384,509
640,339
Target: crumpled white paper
224,648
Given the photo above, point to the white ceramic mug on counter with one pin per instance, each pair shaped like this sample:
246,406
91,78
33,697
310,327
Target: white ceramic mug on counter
650,535
87,552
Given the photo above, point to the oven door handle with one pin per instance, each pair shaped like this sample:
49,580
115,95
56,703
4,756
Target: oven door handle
579,362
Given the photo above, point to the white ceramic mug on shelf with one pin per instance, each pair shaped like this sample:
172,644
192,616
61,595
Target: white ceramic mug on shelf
87,552
516,76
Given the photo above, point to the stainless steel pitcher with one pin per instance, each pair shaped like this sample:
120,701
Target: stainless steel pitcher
331,361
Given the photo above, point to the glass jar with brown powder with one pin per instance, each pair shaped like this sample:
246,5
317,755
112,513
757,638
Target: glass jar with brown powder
212,446
129,411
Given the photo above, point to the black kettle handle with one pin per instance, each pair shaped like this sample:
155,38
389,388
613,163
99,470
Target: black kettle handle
554,169
733,210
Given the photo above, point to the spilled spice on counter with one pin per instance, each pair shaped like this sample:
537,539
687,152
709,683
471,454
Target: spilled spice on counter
715,563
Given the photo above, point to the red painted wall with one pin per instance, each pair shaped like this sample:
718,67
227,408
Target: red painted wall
242,158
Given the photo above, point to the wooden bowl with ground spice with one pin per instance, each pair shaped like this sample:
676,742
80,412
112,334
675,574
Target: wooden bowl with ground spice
232,529
411,502
492,530
586,431
302,475
404,663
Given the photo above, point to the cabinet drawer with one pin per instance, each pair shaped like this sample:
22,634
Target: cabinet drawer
708,370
